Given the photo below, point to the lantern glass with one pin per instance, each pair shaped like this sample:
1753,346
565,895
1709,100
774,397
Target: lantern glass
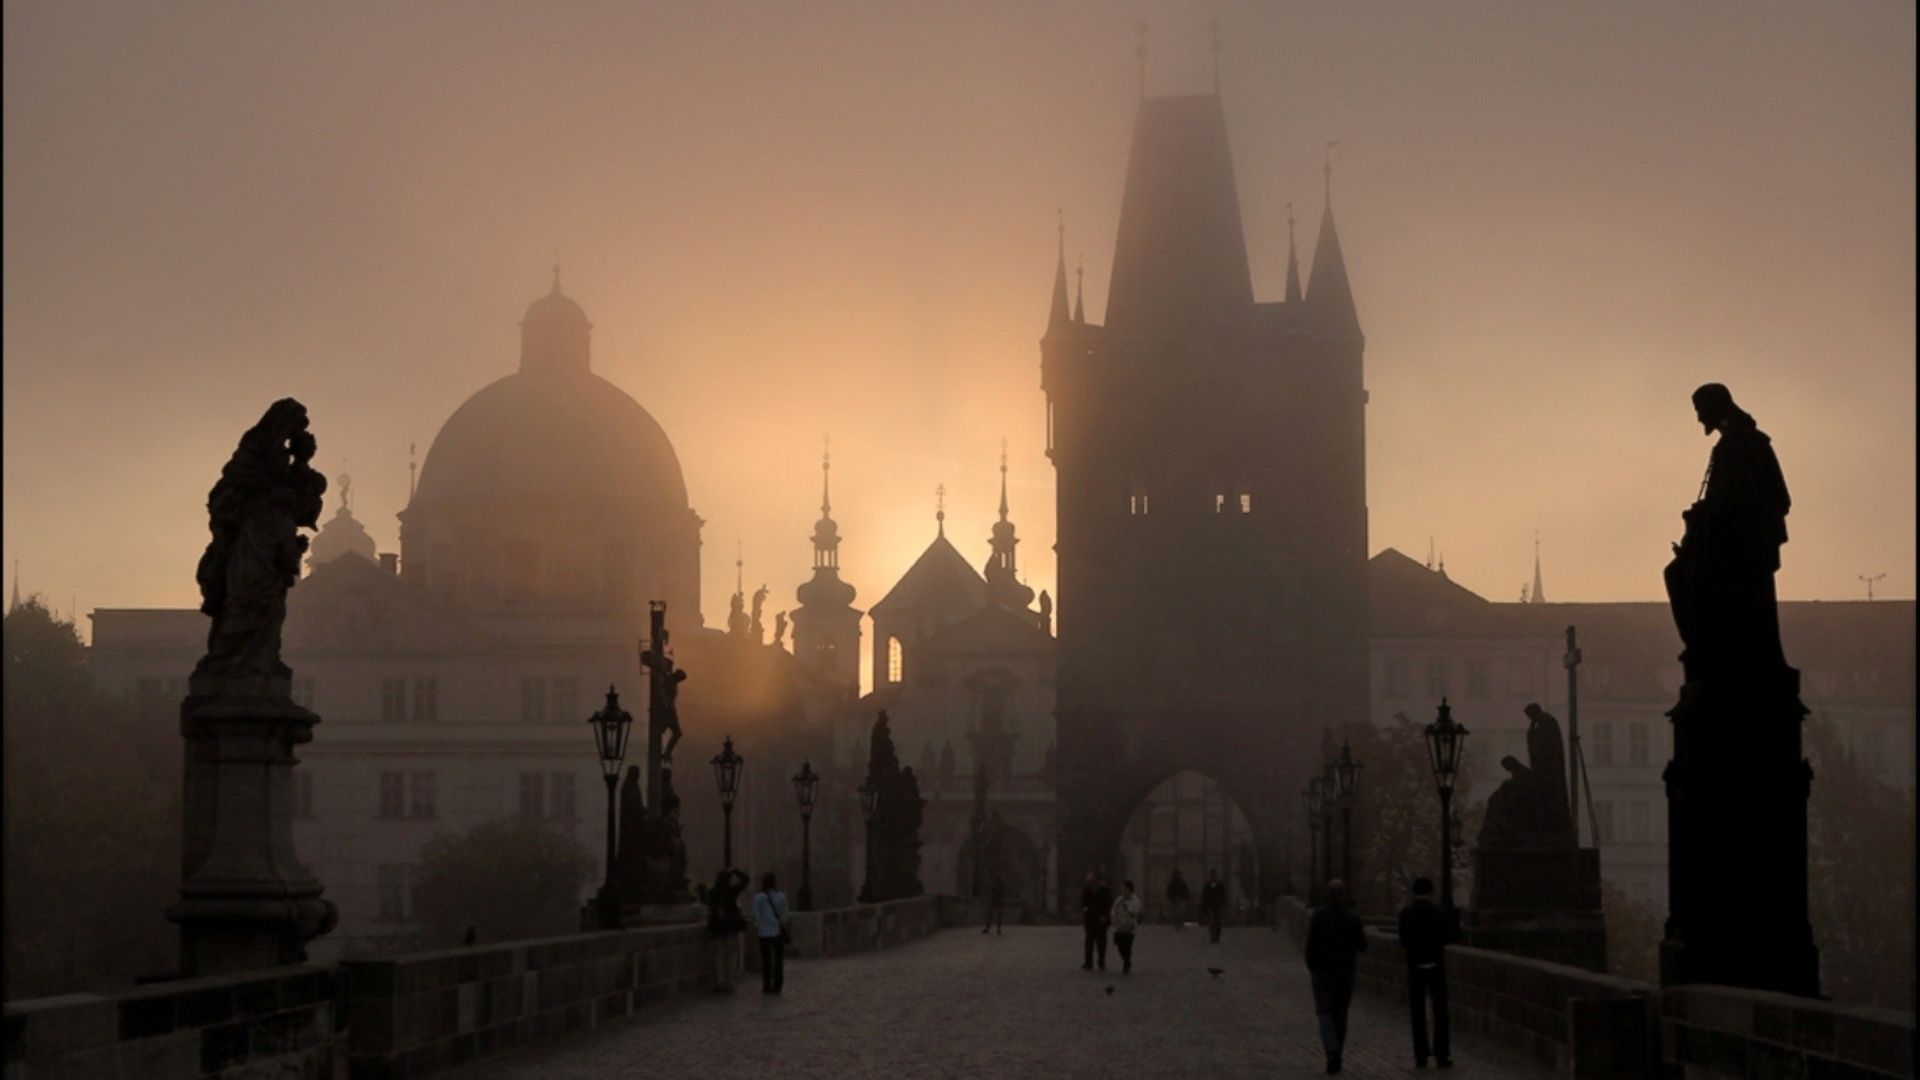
1444,741
806,787
726,772
611,726
1347,772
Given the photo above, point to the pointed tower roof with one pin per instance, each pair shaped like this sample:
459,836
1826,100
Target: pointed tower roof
1003,582
1329,296
1059,318
1293,262
825,589
1080,292
1180,257
1539,593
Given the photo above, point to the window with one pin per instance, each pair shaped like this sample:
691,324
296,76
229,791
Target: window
1220,503
303,794
896,660
1637,743
422,803
565,699
1603,817
1437,676
1137,502
1479,684
1396,677
1640,822
533,699
1246,502
393,701
426,699
390,887
532,794
560,792
303,692
1603,743
393,795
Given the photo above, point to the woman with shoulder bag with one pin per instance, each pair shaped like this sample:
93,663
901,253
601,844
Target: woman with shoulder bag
772,919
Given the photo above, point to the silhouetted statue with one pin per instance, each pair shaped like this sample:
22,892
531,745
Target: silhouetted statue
1529,809
737,621
780,630
896,820
755,628
267,492
661,853
1046,611
1720,582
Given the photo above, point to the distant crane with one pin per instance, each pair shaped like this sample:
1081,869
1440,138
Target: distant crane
1870,581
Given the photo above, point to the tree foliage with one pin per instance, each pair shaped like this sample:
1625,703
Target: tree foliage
1860,875
1396,817
507,879
92,806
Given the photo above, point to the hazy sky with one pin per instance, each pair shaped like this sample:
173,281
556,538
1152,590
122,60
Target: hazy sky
788,220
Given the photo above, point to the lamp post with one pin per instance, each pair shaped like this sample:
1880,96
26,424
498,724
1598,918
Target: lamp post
726,772
610,728
1346,771
869,804
806,786
1444,739
1316,799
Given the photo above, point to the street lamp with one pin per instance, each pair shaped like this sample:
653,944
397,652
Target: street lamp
1346,771
806,786
1444,740
1316,799
610,728
726,771
869,806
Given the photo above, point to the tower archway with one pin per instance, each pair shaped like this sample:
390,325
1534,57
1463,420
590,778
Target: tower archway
1190,823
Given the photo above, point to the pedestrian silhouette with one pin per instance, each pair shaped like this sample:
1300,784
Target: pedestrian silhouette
1335,939
1424,930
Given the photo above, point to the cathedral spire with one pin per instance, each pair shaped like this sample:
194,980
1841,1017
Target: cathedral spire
1293,262
1080,291
1329,296
1003,479
1058,316
1003,582
1539,593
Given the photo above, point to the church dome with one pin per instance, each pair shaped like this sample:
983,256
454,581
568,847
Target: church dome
544,435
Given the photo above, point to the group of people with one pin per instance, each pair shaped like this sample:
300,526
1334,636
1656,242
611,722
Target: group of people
772,924
1335,939
1213,901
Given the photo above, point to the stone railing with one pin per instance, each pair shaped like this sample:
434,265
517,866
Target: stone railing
1590,1025
1718,1031
281,1022
416,1014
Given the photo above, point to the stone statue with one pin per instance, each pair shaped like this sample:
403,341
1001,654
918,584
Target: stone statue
1046,611
737,621
780,630
1529,808
662,852
756,629
267,492
896,821
635,825
1720,582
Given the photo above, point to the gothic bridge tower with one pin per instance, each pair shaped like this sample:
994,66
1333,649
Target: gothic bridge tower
1210,452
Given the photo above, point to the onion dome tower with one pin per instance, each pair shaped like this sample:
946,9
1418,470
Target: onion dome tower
826,625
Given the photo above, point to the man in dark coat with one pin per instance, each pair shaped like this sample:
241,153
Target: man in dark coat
1335,939
1424,932
1213,904
1096,907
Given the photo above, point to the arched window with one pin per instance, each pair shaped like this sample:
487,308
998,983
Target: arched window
896,660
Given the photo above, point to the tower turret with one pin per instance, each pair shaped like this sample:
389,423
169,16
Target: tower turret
1003,581
826,625
1329,296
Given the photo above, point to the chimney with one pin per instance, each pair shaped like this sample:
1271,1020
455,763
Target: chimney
390,562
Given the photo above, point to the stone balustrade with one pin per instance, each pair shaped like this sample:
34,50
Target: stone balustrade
1589,1025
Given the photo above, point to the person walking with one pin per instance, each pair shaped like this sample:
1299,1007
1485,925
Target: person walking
773,920
1177,897
1335,939
1125,916
996,905
1096,904
724,923
1213,904
1425,929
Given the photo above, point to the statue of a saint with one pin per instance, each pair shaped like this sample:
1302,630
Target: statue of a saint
1720,582
755,628
267,492
780,630
1046,611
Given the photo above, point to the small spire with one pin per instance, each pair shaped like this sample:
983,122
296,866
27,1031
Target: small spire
739,567
346,493
1058,317
1293,262
1003,479
1329,295
1538,595
1140,52
1213,29
826,467
1080,290
940,509
413,470
1429,552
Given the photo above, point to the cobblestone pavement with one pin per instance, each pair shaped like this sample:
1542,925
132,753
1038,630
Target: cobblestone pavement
961,1004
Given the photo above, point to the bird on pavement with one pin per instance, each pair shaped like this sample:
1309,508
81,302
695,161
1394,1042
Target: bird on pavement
1215,972
1109,989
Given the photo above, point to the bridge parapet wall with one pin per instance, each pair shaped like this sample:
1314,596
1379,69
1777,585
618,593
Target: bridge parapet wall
864,927
1591,1025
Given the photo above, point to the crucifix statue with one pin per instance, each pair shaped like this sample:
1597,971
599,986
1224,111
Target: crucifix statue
663,715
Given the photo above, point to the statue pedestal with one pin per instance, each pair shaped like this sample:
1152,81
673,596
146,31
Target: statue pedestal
1737,792
1538,902
245,900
